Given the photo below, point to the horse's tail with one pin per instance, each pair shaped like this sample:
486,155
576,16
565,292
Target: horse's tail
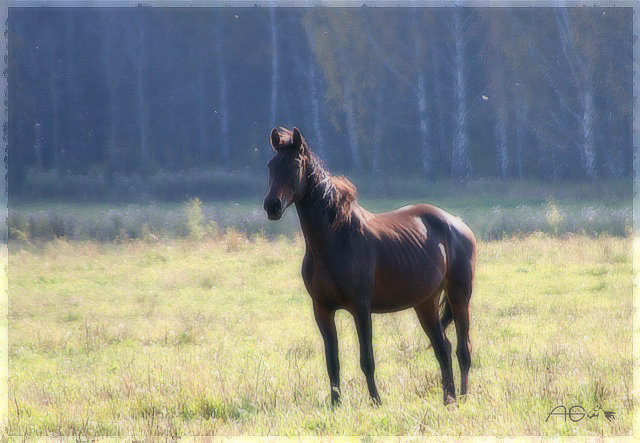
445,312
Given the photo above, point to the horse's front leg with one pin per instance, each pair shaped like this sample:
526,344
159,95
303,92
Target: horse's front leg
362,316
325,318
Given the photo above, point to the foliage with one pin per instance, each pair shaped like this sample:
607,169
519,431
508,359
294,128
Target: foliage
554,216
494,209
137,92
195,219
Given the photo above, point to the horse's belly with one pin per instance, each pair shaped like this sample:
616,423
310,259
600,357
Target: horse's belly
401,286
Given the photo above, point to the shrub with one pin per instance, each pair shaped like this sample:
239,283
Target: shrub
195,219
554,216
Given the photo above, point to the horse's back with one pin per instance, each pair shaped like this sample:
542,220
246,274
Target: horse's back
418,247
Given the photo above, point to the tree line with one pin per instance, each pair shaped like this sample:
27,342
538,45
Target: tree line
430,92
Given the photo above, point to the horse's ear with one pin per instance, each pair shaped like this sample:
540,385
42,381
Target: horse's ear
275,138
297,139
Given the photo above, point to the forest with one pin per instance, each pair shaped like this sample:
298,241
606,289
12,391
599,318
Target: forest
99,96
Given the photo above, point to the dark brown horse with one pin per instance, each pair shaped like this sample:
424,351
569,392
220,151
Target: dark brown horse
416,257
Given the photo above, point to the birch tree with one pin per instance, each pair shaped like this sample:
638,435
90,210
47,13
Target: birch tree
223,111
460,163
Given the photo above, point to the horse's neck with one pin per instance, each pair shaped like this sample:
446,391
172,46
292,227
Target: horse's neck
314,217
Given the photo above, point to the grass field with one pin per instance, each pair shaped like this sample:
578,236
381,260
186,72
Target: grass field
217,336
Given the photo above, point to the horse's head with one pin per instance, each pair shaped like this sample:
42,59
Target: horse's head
287,178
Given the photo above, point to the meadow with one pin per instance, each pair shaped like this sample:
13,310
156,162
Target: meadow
189,317
215,335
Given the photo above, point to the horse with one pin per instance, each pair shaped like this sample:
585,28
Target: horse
418,256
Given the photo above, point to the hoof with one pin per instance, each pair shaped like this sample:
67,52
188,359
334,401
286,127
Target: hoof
449,400
335,397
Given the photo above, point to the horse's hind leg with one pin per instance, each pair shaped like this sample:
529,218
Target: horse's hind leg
459,293
428,316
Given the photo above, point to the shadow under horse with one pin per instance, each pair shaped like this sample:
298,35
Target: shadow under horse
418,256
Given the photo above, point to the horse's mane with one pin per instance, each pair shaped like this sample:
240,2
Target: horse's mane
335,195
338,195
346,196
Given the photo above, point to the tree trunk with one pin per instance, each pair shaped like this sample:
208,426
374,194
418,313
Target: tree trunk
354,148
437,104
202,110
37,145
586,130
580,70
501,111
275,67
461,166
521,120
377,133
315,113
222,84
71,132
111,80
142,104
501,139
316,99
424,125
55,111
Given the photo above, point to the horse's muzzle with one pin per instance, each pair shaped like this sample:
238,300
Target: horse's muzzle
274,208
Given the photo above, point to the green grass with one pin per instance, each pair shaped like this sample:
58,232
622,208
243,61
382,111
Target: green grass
183,337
